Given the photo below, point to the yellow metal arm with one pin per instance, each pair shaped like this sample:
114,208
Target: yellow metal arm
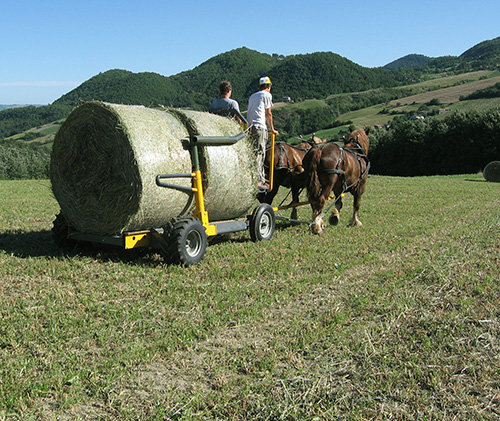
271,163
200,212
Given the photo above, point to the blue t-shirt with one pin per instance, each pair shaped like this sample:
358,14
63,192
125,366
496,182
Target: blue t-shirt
224,104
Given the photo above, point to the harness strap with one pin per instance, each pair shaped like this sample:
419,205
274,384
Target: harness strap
334,171
282,150
341,172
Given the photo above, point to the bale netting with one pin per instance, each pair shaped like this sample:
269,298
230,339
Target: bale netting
492,171
106,157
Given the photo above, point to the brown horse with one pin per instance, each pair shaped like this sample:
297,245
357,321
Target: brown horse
288,170
331,168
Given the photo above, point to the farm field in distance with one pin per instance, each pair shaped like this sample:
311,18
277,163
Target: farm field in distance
395,319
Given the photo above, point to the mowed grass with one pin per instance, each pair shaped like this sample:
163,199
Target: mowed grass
395,319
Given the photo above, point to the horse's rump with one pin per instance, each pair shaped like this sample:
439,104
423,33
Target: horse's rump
311,164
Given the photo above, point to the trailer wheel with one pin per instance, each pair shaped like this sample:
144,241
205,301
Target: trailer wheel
60,231
262,223
186,241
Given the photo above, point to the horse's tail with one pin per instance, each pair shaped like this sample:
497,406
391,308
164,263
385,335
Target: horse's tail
311,163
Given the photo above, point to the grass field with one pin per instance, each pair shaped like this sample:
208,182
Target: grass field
396,319
447,90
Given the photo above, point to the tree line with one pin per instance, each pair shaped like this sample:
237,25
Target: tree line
461,143
23,161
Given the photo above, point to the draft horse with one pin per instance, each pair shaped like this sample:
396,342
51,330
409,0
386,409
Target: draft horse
288,170
333,169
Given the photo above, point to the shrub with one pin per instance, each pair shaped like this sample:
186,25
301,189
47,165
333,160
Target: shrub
23,162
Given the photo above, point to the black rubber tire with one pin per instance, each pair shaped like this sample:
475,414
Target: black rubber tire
185,241
262,223
60,230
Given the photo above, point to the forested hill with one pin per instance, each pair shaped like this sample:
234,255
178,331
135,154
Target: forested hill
411,60
300,76
485,54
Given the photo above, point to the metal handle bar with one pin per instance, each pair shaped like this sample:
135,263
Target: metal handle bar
161,183
216,140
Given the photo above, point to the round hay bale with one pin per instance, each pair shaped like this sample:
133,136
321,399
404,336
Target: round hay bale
492,171
106,158
226,177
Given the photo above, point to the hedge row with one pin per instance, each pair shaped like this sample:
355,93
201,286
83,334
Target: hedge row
461,143
22,162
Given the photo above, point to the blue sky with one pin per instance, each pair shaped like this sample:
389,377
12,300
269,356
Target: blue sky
49,47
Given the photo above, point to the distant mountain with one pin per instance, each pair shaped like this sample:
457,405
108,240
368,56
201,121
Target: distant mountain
7,106
411,60
485,53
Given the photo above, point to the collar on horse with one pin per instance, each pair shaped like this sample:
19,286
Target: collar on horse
283,152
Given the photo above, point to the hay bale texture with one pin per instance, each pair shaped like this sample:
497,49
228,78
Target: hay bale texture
106,158
492,171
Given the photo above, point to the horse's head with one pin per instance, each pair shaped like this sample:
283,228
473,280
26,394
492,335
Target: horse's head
358,138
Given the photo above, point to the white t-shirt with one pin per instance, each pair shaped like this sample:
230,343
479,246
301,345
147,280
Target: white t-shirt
258,103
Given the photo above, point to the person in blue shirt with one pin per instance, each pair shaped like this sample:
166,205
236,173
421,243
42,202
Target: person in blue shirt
225,105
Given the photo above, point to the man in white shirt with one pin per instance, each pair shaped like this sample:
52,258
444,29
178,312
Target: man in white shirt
259,118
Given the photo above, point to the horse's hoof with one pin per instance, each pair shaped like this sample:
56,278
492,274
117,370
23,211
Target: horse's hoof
316,230
317,227
333,220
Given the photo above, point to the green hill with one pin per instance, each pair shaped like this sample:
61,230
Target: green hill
120,86
411,60
300,76
195,88
321,74
485,54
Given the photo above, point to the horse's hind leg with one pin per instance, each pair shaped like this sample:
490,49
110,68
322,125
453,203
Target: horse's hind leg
355,222
318,225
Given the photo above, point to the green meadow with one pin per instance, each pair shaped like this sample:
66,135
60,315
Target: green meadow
395,319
